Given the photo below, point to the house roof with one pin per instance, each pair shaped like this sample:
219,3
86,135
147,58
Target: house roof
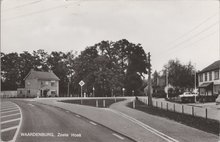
41,75
213,66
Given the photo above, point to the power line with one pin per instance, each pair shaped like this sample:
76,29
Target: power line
23,5
198,40
36,12
195,35
194,28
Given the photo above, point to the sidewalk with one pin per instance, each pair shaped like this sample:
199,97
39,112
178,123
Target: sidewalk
135,124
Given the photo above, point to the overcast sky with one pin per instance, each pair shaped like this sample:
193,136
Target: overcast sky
169,29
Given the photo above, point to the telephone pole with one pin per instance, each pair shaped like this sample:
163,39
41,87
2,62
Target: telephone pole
149,81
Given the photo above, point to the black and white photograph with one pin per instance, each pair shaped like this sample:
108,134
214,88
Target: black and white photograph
110,70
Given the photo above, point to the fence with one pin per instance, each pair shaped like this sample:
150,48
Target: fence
208,113
8,94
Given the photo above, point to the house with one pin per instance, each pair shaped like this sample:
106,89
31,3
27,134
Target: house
40,84
209,81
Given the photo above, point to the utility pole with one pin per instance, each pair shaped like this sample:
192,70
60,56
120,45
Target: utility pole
149,81
167,82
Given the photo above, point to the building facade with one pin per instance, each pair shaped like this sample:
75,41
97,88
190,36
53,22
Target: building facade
209,81
40,84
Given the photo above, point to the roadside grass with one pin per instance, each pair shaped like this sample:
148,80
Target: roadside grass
207,125
92,102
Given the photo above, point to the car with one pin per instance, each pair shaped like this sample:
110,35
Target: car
218,100
188,97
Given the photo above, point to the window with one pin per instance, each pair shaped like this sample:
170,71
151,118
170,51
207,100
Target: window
201,77
52,83
29,91
210,76
206,76
216,75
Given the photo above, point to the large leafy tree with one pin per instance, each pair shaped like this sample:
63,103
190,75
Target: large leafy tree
9,71
180,75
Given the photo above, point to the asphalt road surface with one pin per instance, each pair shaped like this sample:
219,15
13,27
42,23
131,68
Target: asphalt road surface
43,123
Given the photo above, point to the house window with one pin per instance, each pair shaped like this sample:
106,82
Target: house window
52,83
201,78
42,83
216,75
29,91
206,76
210,76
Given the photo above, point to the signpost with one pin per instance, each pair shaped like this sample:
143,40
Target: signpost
81,83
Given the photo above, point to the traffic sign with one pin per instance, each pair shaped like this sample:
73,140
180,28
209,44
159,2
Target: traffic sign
81,83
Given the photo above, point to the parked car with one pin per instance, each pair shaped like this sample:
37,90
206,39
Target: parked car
218,100
188,97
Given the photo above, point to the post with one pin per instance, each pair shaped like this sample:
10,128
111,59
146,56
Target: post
68,91
174,107
167,106
123,89
103,103
167,83
192,111
149,81
81,92
206,113
182,109
96,103
161,105
93,91
156,103
133,103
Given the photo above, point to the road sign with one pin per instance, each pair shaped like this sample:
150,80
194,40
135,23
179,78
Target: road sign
81,83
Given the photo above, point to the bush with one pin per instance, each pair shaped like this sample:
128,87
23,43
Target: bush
206,98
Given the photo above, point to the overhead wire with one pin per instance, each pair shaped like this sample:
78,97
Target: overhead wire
23,5
36,12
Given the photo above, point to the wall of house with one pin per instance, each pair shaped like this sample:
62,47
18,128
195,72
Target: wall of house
51,85
216,82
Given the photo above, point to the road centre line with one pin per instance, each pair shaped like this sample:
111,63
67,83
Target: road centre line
10,115
11,120
118,136
145,126
8,129
9,111
92,123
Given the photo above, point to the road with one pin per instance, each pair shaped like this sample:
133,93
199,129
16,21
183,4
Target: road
43,123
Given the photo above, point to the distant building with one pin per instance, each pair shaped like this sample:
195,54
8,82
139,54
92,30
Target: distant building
209,81
40,84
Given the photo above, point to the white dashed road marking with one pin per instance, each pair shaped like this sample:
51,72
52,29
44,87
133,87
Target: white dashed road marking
145,126
92,123
118,136
31,105
78,116
14,110
10,111
11,120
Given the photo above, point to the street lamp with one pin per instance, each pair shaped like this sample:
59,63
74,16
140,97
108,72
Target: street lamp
69,80
132,92
123,89
93,91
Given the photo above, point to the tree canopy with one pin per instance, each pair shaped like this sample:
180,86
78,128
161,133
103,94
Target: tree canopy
106,67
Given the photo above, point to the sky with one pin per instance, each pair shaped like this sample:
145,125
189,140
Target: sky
168,29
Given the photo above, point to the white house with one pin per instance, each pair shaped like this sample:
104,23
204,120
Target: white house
209,81
40,84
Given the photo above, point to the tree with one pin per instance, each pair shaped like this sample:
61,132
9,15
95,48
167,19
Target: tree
180,76
9,71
